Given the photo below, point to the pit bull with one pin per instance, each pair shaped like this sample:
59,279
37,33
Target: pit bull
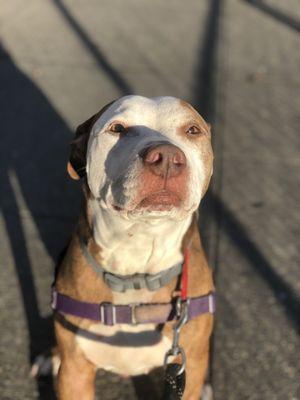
145,164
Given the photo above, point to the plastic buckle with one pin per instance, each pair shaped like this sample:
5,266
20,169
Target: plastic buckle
153,282
133,316
103,308
136,282
114,282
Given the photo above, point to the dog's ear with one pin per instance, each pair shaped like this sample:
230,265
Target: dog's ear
77,163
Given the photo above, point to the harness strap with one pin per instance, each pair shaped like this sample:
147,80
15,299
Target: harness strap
120,283
110,314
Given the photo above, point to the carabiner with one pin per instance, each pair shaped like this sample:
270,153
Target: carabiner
182,313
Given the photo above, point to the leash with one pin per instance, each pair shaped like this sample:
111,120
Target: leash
175,372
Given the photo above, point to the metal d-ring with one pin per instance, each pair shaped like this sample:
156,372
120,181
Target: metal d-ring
179,351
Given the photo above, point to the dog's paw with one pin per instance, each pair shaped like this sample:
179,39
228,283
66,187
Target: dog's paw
45,365
207,392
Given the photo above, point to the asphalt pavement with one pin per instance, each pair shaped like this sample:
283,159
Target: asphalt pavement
238,63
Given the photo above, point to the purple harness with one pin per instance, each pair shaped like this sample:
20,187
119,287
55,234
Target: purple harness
110,314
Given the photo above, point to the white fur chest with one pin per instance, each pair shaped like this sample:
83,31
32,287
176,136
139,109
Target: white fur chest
124,349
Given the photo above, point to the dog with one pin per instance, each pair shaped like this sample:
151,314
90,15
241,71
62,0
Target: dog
145,165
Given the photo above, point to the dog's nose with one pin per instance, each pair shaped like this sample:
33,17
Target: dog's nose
165,160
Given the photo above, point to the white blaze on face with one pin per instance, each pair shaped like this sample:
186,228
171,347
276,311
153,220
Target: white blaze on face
113,163
133,239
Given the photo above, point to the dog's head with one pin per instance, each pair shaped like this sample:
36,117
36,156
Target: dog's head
144,157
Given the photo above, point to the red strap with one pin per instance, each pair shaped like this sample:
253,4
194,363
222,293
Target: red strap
184,277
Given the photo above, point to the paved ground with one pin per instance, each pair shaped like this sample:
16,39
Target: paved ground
238,62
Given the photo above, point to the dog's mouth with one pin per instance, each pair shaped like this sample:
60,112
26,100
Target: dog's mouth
161,200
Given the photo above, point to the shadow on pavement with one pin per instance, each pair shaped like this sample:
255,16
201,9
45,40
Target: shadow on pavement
205,100
239,236
98,56
276,14
34,150
205,74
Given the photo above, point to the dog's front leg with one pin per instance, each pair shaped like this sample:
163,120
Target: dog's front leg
197,353
195,375
75,379
76,375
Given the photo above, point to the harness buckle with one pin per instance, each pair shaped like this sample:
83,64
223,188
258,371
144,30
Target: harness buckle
133,316
211,305
105,318
153,282
114,282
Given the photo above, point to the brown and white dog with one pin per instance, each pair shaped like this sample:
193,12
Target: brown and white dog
148,163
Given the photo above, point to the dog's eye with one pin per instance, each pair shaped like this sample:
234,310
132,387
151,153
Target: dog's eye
117,128
193,130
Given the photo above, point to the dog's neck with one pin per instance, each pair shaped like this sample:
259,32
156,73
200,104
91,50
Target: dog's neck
133,246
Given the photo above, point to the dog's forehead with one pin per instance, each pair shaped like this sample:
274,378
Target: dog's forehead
152,112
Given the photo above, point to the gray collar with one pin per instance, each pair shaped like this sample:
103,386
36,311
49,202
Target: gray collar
119,283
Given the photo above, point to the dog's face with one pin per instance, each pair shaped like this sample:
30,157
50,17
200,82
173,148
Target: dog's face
145,157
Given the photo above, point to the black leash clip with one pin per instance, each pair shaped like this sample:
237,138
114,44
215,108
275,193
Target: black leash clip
175,373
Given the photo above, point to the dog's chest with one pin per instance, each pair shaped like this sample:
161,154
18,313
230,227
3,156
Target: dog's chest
125,349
